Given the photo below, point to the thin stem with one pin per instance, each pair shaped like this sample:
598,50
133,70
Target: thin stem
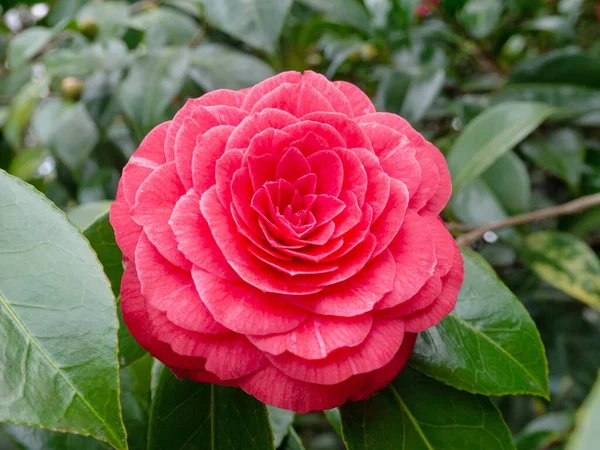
572,207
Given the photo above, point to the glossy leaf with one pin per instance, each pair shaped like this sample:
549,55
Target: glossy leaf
561,153
348,12
490,135
489,344
281,422
418,413
567,263
215,66
585,436
422,91
145,98
188,415
27,44
257,23
510,182
568,66
38,439
59,372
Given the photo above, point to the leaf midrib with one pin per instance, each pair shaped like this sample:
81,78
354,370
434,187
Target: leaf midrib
498,346
33,340
412,418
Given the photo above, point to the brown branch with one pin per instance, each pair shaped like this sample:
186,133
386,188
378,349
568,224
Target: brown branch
572,207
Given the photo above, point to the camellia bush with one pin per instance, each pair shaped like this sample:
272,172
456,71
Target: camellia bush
300,224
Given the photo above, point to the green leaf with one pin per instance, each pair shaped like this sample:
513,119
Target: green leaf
490,135
418,413
567,263
216,66
334,419
25,165
110,17
129,350
510,182
27,44
85,214
348,12
188,415
422,91
576,100
544,431
150,85
585,436
102,239
165,26
560,152
281,422
563,66
58,313
489,344
480,17
293,442
20,111
257,23
38,439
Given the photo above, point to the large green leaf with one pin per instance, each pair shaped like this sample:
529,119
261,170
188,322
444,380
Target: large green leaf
110,16
165,26
510,182
150,85
489,344
293,442
418,413
567,263
349,12
422,91
568,66
216,66
490,135
188,415
257,23
58,313
585,436
560,152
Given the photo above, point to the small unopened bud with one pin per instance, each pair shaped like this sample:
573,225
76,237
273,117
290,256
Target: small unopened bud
368,52
71,88
88,27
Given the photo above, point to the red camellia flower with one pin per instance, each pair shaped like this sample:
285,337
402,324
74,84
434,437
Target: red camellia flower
285,239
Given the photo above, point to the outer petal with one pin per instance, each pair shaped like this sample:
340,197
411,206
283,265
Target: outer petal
257,92
358,100
245,309
387,225
209,148
127,232
350,131
297,100
317,336
153,207
376,351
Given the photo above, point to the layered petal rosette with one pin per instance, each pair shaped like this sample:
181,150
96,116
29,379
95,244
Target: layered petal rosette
285,239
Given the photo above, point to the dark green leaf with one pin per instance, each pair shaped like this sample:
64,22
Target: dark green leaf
334,419
422,91
560,152
509,181
151,84
348,12
188,415
39,439
215,66
418,413
564,66
567,263
490,135
293,442
257,23
489,344
585,436
281,422
58,313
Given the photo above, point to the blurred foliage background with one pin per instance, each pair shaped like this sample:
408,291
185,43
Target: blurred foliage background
81,82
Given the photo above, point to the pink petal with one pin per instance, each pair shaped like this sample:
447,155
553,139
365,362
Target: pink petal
225,169
209,148
256,93
328,168
292,166
387,225
349,217
297,100
269,142
356,295
430,177
317,336
358,100
357,234
396,154
241,195
194,239
135,316
308,131
444,304
326,208
440,198
307,184
330,91
257,123
444,245
393,121
414,253
377,350
311,143
262,169
348,129
148,157
127,232
223,97
245,309
378,187
426,296
355,175
171,290
153,207
234,248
